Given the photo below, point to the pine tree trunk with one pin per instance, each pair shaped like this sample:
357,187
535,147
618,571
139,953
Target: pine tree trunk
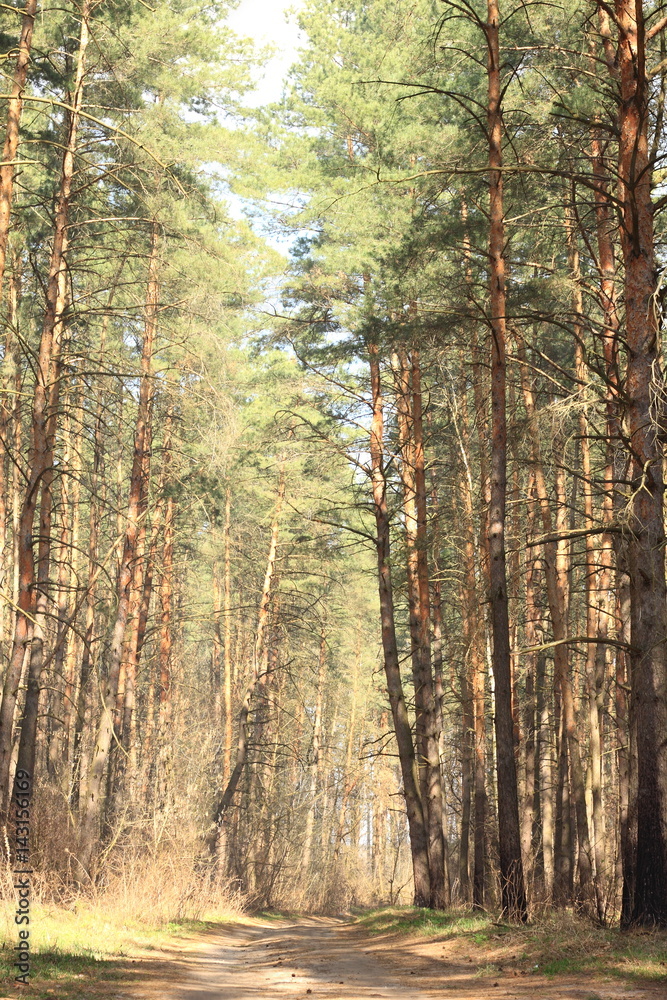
644,383
563,846
434,793
467,777
511,867
475,715
125,769
606,230
216,652
44,426
83,694
438,678
165,638
545,769
528,796
402,728
14,669
414,506
129,733
626,739
15,443
11,144
227,649
65,561
92,798
556,573
259,670
6,466
531,812
349,781
596,623
613,550
72,647
316,761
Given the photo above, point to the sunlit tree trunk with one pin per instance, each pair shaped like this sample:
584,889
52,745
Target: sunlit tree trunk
83,705
92,797
413,477
545,769
66,585
216,650
11,144
130,708
475,684
259,670
531,812
165,636
438,675
402,728
8,400
556,573
595,619
14,439
434,793
316,760
614,579
125,765
12,489
72,648
563,841
227,644
467,771
33,595
349,780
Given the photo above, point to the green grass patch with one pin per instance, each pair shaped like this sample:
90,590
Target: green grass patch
59,973
276,914
415,920
75,952
561,966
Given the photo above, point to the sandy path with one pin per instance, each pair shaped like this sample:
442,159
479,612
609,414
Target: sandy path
292,960
311,958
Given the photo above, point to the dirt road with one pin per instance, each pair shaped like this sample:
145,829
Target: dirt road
296,960
327,959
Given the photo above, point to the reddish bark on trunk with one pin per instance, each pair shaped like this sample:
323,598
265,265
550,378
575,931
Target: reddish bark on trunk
643,391
11,145
92,800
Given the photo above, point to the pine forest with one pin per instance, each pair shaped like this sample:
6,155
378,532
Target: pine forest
333,596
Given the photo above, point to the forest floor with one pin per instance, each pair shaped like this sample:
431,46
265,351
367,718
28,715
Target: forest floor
397,954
